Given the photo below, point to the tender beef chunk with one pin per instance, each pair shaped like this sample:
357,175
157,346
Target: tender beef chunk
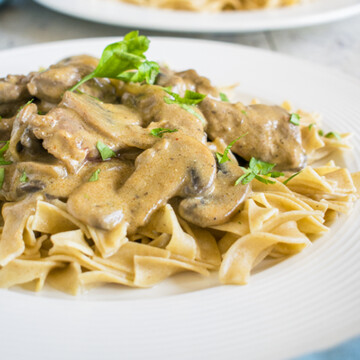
148,100
186,80
51,84
71,130
5,128
13,94
53,179
270,135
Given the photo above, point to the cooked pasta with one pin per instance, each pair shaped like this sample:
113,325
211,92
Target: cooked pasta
214,5
130,182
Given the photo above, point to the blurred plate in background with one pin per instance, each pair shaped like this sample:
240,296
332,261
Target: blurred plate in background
115,12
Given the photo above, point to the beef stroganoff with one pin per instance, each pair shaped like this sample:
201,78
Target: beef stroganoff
121,171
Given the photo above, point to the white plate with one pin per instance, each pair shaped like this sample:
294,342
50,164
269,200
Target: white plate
307,302
115,12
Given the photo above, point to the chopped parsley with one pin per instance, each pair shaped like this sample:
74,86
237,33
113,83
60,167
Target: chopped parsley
257,170
159,132
295,119
95,176
311,126
105,151
291,177
321,133
190,99
2,151
244,112
24,178
223,158
29,102
224,97
2,177
125,60
333,134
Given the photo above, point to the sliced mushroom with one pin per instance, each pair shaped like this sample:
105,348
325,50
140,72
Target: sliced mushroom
13,94
217,206
177,165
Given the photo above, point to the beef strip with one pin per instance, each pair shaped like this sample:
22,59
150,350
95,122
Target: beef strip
148,100
52,179
13,94
270,135
186,80
6,125
51,84
71,130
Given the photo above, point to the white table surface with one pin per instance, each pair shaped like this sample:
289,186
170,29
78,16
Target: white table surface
23,22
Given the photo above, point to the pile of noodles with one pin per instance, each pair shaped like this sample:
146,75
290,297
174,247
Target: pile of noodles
214,5
48,245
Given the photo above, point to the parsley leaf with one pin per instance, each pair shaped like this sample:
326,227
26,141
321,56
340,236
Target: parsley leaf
224,97
159,132
95,176
125,60
24,178
295,119
333,134
147,72
291,177
187,102
321,133
257,170
2,177
105,151
223,158
311,126
190,97
29,102
244,112
2,151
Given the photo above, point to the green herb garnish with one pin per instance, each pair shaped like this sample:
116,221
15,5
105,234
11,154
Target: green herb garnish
333,134
223,158
190,99
2,151
311,126
159,132
321,133
295,119
257,170
125,60
224,97
95,176
2,177
244,112
24,178
291,177
105,151
29,102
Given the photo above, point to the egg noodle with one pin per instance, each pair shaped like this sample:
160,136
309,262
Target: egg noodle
48,245
214,5
133,177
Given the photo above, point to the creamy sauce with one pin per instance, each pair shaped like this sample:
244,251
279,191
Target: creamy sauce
57,149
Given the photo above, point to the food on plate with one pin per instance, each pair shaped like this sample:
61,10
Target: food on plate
121,171
214,5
